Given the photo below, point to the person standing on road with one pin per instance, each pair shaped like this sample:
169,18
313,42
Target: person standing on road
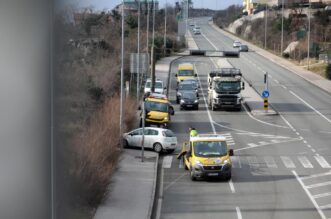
193,132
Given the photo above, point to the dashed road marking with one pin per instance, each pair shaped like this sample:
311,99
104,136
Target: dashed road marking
287,162
167,160
253,162
270,162
321,160
305,162
236,163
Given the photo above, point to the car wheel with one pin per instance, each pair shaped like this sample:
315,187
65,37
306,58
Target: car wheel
192,175
157,147
125,143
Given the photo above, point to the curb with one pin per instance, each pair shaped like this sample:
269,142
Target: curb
272,59
151,205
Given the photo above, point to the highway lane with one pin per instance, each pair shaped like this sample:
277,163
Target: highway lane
271,159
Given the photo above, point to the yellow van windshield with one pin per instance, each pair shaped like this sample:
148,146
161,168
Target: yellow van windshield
210,149
185,73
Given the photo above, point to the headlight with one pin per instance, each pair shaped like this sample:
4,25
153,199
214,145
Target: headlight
182,101
225,161
166,118
198,163
196,101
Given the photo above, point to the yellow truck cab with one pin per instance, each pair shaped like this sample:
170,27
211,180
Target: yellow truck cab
185,70
207,155
158,110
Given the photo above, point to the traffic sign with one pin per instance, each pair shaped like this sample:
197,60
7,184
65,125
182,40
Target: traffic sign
265,94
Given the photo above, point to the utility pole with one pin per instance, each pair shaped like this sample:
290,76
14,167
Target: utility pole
152,50
165,29
266,25
138,51
122,77
282,37
147,30
308,46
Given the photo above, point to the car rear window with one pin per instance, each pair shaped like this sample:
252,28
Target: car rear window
168,133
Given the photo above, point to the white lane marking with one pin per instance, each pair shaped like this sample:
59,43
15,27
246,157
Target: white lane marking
232,186
239,216
284,87
270,161
206,105
322,195
309,195
321,160
287,122
305,162
276,81
287,162
253,162
297,133
252,145
263,143
318,185
318,112
263,122
211,43
270,76
253,134
256,146
323,207
236,163
167,160
160,199
313,150
316,175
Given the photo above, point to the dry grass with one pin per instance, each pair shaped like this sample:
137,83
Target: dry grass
97,149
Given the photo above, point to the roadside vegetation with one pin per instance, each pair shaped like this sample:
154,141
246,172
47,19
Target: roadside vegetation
252,28
87,84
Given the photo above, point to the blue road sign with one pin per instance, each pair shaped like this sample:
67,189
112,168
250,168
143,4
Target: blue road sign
265,94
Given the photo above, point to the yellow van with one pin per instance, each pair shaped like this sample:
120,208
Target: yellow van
207,155
185,70
158,110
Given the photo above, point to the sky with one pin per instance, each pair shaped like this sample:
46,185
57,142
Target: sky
110,4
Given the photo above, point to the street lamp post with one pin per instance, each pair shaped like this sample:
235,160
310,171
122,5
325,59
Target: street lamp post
122,76
152,50
165,29
282,37
308,46
138,51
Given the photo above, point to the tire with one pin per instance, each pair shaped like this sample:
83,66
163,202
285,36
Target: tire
125,143
192,175
197,108
157,147
213,107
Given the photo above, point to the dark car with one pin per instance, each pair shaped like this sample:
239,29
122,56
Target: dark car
185,87
243,48
189,100
192,81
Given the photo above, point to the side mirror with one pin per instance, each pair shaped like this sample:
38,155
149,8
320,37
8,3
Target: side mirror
176,75
243,85
139,107
231,152
164,88
189,153
171,110
176,88
195,75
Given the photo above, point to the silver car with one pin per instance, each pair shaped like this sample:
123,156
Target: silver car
158,139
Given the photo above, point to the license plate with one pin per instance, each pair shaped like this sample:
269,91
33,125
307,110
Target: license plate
212,174
189,105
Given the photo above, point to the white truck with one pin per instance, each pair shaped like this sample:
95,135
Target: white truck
224,88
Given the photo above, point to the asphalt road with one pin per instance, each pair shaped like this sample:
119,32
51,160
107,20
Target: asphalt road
281,167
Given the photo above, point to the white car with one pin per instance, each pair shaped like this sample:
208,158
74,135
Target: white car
158,139
158,86
196,30
236,44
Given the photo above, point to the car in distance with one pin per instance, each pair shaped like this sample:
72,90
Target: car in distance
185,87
236,44
158,86
158,139
189,100
243,48
196,30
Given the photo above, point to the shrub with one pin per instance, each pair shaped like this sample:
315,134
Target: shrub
328,72
97,149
